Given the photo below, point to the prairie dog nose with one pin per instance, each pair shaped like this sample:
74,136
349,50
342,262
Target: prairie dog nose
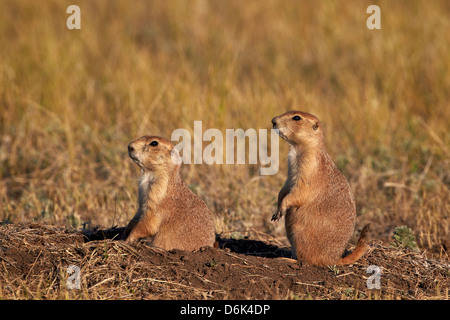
130,148
274,122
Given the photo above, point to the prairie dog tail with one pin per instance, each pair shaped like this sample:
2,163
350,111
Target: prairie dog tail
360,250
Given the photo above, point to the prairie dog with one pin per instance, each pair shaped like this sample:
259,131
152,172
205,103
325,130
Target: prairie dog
316,198
168,210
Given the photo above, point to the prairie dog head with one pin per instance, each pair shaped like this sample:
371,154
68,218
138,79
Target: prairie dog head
299,128
154,154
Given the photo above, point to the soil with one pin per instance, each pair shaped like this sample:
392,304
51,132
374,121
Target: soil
34,260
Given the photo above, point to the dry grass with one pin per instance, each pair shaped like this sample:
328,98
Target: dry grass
70,101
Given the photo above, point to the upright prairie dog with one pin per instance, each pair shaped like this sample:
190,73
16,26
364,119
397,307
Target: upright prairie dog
168,210
316,198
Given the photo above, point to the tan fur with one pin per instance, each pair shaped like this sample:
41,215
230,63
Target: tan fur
168,211
316,198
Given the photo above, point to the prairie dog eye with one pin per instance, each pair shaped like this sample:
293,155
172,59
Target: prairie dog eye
153,143
296,118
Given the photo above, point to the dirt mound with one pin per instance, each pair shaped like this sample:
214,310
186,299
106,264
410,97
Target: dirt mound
35,259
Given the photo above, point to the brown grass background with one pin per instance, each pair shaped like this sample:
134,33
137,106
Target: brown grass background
71,100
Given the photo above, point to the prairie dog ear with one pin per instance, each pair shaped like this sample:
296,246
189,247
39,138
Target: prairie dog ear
175,155
316,125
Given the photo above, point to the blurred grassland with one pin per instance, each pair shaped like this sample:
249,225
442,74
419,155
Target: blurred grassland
71,100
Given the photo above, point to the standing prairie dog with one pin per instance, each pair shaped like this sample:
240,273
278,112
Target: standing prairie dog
168,210
316,198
